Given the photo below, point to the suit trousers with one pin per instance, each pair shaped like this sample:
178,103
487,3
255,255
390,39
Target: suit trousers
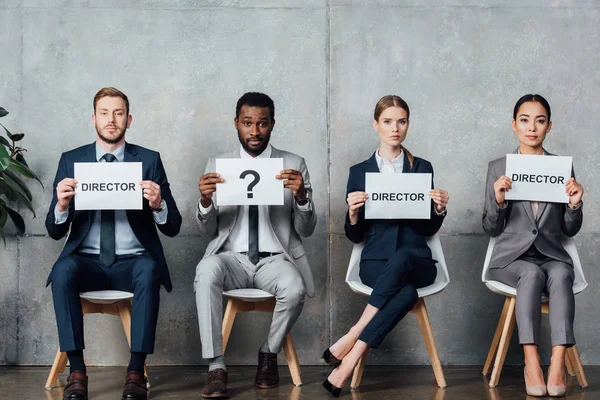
80,272
533,276
229,270
394,282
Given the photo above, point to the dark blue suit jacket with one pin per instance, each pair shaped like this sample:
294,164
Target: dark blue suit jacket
382,235
141,221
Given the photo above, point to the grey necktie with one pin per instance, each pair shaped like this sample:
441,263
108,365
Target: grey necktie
253,234
107,228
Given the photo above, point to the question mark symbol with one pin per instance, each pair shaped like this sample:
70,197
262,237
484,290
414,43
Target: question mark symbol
254,182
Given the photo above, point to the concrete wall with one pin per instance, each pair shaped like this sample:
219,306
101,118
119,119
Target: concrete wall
461,65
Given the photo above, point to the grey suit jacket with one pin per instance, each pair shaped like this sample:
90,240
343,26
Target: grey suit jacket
516,228
288,222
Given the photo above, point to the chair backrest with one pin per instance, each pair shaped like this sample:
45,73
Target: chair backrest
352,275
568,243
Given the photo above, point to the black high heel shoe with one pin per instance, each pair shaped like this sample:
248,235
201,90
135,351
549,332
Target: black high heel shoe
331,389
330,359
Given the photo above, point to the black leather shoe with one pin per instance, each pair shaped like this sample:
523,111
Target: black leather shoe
267,375
330,359
216,385
331,389
135,386
76,388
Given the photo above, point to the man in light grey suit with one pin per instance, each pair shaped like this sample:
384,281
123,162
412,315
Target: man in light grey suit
253,247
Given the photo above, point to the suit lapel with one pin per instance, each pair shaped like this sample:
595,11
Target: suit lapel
89,153
371,164
131,154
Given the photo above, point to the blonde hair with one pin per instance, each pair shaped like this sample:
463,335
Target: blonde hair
394,101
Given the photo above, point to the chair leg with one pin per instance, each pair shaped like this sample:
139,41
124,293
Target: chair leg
58,366
569,364
423,318
574,355
507,330
125,315
358,371
487,367
292,359
228,318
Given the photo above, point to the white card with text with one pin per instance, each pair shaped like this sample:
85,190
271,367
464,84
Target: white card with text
397,196
538,178
249,181
108,186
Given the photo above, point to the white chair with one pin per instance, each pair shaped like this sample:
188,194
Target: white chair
243,300
506,324
441,281
113,302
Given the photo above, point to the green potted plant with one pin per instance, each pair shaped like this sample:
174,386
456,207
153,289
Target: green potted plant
12,187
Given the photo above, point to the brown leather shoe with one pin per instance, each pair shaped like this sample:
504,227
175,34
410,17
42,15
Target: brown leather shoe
135,386
267,375
76,388
216,385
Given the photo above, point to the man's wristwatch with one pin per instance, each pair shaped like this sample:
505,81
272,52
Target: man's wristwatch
301,202
163,205
442,213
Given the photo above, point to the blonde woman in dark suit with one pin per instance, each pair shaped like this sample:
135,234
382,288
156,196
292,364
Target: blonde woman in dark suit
528,253
396,259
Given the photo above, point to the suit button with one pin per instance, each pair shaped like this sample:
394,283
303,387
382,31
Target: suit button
534,232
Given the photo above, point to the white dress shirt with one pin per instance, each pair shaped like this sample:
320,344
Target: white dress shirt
385,166
237,241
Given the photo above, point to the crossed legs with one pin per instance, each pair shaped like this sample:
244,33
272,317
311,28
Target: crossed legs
394,284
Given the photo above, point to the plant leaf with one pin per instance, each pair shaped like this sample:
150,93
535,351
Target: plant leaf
16,219
20,157
6,190
3,112
4,158
5,142
10,135
19,192
3,216
17,136
19,181
24,170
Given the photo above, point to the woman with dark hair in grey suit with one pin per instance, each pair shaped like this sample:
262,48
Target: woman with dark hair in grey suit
528,253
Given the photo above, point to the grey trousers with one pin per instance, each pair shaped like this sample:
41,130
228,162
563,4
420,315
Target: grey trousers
532,276
227,271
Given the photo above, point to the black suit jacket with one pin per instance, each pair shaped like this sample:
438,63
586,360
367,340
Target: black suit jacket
141,221
382,235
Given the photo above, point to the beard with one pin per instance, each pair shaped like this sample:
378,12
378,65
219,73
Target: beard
255,151
111,140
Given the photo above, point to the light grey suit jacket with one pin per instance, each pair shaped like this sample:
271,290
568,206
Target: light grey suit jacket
516,228
288,222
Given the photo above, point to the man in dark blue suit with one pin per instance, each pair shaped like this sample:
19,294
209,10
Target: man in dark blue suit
110,249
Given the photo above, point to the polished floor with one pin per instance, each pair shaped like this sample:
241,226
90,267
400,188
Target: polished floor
379,383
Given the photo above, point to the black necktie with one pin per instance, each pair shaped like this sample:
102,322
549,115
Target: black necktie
107,228
253,234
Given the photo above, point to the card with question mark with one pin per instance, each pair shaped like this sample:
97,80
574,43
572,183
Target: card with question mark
249,181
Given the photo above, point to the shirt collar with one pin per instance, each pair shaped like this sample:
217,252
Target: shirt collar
118,153
519,151
265,154
396,162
